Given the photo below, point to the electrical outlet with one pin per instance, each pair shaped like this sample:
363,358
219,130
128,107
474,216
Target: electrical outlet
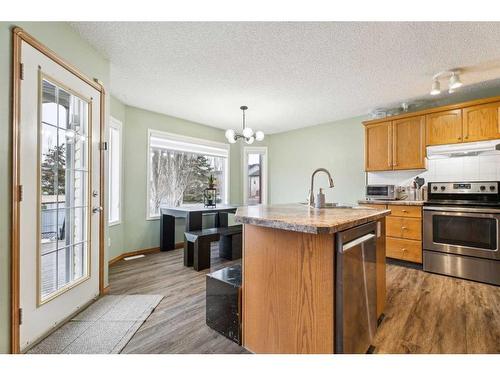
109,241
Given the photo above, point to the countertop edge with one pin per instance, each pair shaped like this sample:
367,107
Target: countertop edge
312,229
393,202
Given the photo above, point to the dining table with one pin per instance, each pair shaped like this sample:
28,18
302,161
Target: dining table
193,216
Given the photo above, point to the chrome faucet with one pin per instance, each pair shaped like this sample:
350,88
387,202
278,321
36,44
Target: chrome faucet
311,192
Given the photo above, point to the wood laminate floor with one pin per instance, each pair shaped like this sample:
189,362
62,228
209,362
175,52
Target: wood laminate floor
425,313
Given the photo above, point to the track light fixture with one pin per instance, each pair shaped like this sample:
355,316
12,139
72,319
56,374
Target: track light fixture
454,81
436,87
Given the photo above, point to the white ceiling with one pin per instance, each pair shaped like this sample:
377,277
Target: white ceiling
289,74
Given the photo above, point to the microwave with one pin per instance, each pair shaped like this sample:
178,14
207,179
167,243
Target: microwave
383,192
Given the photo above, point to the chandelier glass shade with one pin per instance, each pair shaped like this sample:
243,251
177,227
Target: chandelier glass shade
247,134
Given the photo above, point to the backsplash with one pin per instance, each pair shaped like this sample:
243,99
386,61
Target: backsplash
466,168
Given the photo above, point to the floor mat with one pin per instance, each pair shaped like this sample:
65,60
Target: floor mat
104,327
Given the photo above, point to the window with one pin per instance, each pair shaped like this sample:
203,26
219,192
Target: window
64,181
179,168
115,168
255,175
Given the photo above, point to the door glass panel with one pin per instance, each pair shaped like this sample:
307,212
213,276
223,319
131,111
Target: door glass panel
64,185
49,229
465,231
254,178
79,259
49,276
49,103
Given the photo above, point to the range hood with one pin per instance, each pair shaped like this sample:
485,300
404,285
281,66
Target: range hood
464,149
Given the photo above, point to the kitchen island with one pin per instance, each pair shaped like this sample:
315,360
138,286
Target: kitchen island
289,274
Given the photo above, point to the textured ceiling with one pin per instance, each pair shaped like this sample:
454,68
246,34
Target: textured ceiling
289,74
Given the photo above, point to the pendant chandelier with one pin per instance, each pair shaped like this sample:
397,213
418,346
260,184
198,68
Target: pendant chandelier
247,134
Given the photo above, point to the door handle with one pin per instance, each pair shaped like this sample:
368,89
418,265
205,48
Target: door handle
357,241
95,210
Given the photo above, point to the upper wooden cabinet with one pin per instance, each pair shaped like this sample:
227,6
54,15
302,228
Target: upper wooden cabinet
378,146
408,143
444,127
399,142
481,122
395,144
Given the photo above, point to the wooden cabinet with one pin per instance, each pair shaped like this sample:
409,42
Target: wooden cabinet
403,232
481,122
399,142
443,127
408,143
409,228
378,146
395,145
404,210
408,250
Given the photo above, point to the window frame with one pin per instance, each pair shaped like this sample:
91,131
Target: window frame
117,125
264,173
173,137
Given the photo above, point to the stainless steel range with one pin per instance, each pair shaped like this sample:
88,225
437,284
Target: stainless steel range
462,230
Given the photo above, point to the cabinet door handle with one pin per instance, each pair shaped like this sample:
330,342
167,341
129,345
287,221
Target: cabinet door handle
498,119
394,145
405,211
466,128
403,249
403,228
390,155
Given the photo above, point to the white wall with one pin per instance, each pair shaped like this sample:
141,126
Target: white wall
467,168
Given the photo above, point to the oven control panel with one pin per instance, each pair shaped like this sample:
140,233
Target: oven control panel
483,187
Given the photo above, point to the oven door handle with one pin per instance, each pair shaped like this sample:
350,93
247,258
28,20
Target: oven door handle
465,210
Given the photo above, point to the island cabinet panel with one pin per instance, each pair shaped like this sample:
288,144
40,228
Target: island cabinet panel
288,291
378,147
481,122
408,143
443,127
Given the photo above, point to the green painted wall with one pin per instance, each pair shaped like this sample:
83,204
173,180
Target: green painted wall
62,39
115,241
136,232
336,146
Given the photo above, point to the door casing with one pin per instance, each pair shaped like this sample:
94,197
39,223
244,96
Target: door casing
18,36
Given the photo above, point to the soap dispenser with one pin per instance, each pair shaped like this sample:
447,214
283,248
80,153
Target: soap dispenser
320,199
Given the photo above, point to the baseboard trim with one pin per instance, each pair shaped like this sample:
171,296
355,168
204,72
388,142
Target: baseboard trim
151,250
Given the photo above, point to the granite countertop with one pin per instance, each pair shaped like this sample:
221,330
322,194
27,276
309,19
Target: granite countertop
398,203
302,218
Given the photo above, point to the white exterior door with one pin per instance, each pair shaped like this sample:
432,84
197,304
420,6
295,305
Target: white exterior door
59,173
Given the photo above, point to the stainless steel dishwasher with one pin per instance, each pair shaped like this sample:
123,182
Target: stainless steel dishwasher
356,289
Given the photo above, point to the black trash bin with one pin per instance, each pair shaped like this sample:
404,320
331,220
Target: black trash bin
223,302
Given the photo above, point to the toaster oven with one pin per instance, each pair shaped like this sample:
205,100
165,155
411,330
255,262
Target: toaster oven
382,192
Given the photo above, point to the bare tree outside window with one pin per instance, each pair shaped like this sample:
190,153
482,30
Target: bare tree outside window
180,177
